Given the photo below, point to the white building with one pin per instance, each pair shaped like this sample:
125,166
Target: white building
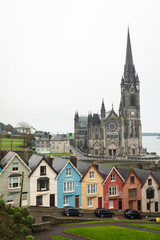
43,183
57,144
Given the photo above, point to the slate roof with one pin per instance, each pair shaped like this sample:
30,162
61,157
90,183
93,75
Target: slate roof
104,169
124,172
142,174
7,158
59,138
34,160
58,163
157,176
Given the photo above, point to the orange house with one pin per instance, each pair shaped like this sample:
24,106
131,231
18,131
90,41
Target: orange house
132,193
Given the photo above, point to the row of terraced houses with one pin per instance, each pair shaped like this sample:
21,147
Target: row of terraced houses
83,185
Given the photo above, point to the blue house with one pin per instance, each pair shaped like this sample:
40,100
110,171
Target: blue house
68,183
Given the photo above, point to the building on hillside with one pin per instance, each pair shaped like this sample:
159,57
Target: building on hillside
43,183
13,169
57,144
112,134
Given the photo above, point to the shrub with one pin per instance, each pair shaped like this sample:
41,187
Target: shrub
18,217
25,211
29,237
17,209
30,220
11,211
25,230
2,204
23,220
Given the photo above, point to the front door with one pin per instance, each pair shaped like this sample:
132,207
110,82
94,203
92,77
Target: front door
77,201
139,205
52,200
156,206
131,204
100,202
96,152
120,204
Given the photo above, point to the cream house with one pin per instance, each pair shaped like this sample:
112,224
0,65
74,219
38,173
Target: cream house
150,192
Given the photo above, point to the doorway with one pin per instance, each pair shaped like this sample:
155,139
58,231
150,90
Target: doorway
100,202
52,200
120,204
77,201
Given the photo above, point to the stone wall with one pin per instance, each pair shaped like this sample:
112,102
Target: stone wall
57,221
38,227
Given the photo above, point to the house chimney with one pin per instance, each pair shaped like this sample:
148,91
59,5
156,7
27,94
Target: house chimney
73,160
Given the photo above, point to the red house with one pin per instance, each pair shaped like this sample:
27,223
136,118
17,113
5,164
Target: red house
113,188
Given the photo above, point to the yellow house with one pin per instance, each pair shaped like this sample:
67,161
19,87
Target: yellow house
92,189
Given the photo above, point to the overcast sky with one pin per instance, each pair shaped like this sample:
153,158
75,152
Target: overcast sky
57,57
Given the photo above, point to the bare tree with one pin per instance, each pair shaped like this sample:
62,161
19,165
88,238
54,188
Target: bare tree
25,130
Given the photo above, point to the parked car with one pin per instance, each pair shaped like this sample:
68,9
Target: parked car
102,212
131,213
66,208
96,210
73,212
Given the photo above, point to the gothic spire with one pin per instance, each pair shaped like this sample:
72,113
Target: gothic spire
103,110
129,58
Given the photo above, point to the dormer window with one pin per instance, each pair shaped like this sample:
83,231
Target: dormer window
91,175
149,182
132,179
113,177
68,172
15,167
43,170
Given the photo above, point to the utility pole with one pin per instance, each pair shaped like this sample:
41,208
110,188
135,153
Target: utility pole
20,201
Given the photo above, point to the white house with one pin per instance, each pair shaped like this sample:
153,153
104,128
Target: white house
43,184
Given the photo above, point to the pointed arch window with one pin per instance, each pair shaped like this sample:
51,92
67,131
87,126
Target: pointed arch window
133,100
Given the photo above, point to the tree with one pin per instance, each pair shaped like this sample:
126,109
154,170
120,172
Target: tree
26,131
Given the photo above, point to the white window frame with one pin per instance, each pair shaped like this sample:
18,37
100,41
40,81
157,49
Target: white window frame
113,177
15,165
68,172
65,201
92,188
12,181
24,196
89,202
68,187
91,174
10,198
110,204
113,191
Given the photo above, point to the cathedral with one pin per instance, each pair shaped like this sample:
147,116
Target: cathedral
110,134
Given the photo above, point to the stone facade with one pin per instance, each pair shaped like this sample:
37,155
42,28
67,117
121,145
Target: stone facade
109,133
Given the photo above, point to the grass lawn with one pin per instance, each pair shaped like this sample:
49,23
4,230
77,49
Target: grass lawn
59,238
149,226
113,233
12,144
106,221
60,154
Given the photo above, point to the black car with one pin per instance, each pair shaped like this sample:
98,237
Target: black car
96,210
131,213
65,209
73,212
102,212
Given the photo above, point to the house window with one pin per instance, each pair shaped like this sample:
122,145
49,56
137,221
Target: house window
89,202
43,184
68,187
132,192
149,182
113,190
14,182
65,201
68,172
92,188
110,203
43,170
24,196
113,177
15,167
10,198
39,200
148,206
91,175
150,193
132,179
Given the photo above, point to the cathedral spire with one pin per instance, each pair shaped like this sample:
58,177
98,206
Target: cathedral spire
103,110
129,58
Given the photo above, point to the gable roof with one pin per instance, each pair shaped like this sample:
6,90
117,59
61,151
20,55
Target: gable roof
124,172
34,161
142,174
43,159
8,159
69,162
95,168
113,168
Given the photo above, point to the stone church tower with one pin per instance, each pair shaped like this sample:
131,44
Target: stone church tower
108,134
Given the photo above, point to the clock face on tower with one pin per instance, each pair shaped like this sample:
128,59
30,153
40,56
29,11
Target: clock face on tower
132,114
112,126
